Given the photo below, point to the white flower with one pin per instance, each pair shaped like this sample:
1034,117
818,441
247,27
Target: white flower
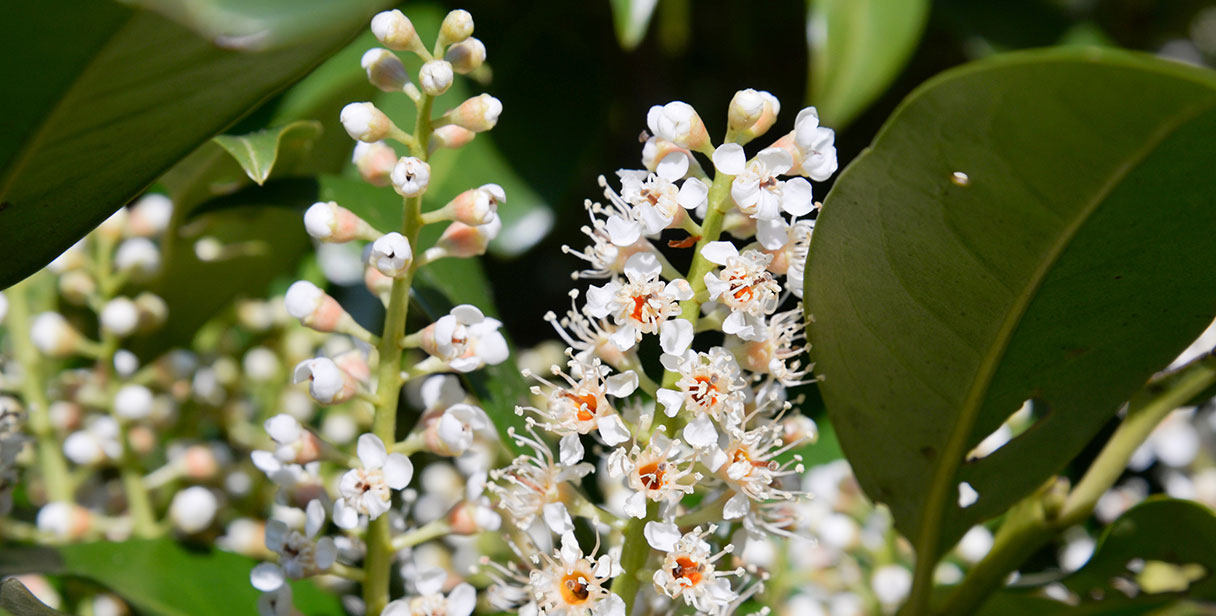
640,304
711,384
367,490
788,244
457,26
678,123
327,383
296,444
667,159
744,285
466,56
451,434
476,206
391,255
532,480
891,584
570,584
688,569
816,146
150,215
648,204
582,405
52,335
465,339
375,162
315,308
752,113
748,465
759,193
120,316
779,351
411,176
431,602
302,554
659,473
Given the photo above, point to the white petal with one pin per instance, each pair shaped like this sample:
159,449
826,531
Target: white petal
713,459
635,505
796,197
613,430
643,265
266,577
719,252
622,384
701,432
612,605
276,535
345,516
325,553
371,451
673,166
314,516
777,160
430,580
652,118
737,324
675,336
662,536
652,220
466,364
266,461
624,338
570,449
773,234
468,314
375,506
398,470
557,518
730,159
671,400
736,507
623,232
570,551
441,391
692,194
462,600
283,428
678,289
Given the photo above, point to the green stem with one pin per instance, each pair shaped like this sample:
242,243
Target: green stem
635,550
51,463
377,567
422,534
1033,522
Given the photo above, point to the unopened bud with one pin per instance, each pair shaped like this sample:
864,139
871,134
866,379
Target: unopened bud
153,311
457,26
150,215
800,427
435,77
198,462
354,363
329,222
64,520
476,206
364,122
120,317
451,136
314,308
411,176
52,335
395,31
461,240
385,70
193,509
137,255
678,123
376,282
478,114
752,113
76,286
133,402
466,56
126,363
260,364
392,255
375,162
327,383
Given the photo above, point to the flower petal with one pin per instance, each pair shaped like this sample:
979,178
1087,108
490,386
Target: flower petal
266,577
398,470
371,451
730,159
675,336
570,450
557,518
662,536
719,252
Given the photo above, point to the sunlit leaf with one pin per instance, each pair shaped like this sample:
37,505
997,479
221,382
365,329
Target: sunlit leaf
257,152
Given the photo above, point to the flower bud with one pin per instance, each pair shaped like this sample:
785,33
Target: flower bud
466,56
260,364
376,282
329,222
478,114
452,432
461,240
65,415
199,462
150,215
384,70
392,255
375,162
137,255
395,31
76,286
411,176
752,113
120,317
314,308
678,123
133,402
153,311
457,26
451,136
52,335
327,383
126,363
435,77
193,509
64,520
364,122
476,206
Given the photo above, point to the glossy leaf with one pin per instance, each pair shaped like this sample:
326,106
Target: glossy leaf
17,600
115,97
257,152
1070,262
161,577
858,48
263,24
631,18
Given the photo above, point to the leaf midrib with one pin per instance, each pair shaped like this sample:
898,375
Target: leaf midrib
945,474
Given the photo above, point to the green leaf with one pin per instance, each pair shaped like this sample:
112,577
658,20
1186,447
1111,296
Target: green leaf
161,577
1073,262
631,18
258,151
858,48
263,24
19,601
115,97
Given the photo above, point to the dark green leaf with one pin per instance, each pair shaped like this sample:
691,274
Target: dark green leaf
1071,262
109,100
161,577
257,152
18,600
857,49
263,24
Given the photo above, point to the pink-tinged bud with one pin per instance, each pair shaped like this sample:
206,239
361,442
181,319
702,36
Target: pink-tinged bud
384,70
364,122
376,282
787,143
678,123
199,463
327,383
752,113
329,222
65,416
462,520
476,206
354,363
461,240
451,136
375,162
52,335
478,114
392,255
466,56
780,263
799,428
143,439
314,308
64,520
457,26
411,176
395,31
435,77
76,286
